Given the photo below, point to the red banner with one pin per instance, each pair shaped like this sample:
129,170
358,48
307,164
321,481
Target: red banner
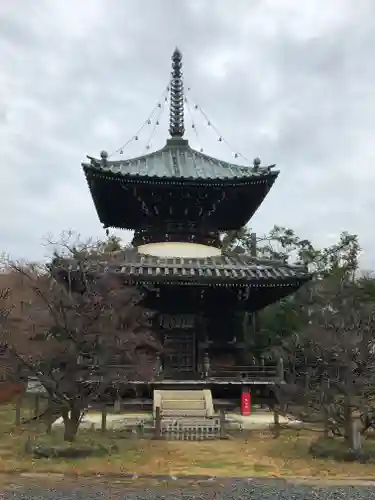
246,404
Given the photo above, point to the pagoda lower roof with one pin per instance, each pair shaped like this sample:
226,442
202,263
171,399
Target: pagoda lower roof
227,269
178,161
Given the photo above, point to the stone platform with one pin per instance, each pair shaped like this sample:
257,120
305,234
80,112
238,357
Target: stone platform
259,420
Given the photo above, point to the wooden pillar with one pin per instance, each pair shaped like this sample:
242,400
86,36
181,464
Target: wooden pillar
253,244
356,438
117,405
276,416
222,425
276,421
206,364
18,409
253,252
202,340
157,423
200,369
280,369
104,419
158,366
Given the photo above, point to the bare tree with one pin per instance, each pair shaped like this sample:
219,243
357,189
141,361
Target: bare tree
335,356
66,327
6,365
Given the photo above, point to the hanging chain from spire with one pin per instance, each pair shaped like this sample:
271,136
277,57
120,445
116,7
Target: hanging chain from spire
176,121
193,124
160,104
209,124
156,123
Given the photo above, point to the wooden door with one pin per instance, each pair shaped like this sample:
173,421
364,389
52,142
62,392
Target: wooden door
179,351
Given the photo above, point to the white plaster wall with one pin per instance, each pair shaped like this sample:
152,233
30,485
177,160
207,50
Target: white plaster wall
181,250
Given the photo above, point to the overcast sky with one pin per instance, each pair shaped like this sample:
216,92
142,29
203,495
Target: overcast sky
292,82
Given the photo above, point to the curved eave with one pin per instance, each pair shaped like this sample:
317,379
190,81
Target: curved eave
259,282
98,172
116,206
253,295
227,269
290,285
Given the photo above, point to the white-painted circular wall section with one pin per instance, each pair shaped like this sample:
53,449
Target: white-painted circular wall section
180,250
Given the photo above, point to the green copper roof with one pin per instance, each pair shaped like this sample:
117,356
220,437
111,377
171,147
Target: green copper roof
178,160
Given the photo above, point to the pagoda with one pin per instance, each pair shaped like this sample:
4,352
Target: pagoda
179,202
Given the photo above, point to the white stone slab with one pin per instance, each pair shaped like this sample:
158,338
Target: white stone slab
256,421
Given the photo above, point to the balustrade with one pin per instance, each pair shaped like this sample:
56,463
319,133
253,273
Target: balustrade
220,373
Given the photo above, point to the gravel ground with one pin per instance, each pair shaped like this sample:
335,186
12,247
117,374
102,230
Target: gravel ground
221,489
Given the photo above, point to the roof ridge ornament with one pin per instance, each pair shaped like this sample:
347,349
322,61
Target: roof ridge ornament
176,117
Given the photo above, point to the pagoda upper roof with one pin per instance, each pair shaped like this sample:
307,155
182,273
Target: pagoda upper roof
176,185
177,160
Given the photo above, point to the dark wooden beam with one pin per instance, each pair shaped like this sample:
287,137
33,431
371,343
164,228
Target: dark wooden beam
253,251
253,247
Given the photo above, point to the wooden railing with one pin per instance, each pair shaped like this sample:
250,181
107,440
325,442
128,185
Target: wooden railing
222,373
250,372
121,373
175,374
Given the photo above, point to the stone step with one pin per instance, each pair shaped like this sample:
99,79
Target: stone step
182,405
185,426
174,403
190,421
181,395
178,413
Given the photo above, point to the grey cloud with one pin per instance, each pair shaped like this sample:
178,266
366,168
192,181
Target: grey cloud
290,82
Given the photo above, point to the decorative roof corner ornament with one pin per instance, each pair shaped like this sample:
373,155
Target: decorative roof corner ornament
256,163
93,162
176,117
104,157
